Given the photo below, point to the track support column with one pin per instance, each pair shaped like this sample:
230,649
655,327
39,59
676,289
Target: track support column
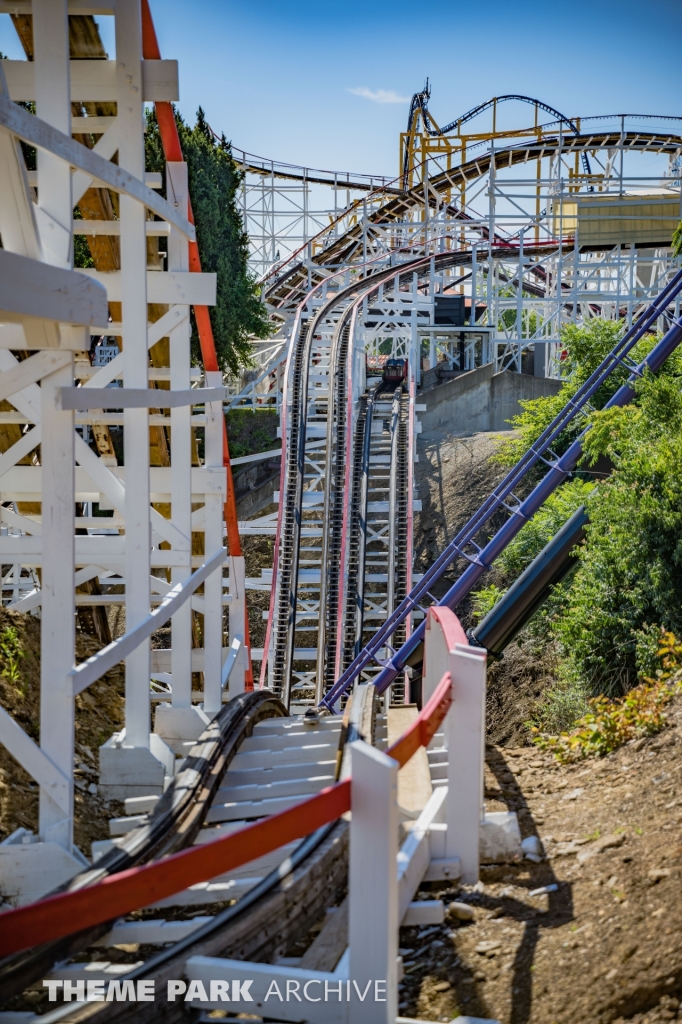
134,763
213,540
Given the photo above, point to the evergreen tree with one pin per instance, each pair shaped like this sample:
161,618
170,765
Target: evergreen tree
223,243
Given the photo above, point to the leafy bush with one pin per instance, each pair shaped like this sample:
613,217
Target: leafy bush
628,583
629,580
610,723
11,652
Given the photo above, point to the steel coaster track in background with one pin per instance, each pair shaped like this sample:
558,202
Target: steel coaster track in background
464,545
293,278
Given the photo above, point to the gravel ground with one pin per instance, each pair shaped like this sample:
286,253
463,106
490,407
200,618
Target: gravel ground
606,945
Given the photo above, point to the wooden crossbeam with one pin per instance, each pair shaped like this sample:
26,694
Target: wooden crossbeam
29,128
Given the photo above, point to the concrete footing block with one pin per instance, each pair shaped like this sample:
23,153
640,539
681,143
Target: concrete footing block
29,868
500,838
177,726
125,770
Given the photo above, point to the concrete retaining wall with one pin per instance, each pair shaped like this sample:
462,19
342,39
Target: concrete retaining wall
480,400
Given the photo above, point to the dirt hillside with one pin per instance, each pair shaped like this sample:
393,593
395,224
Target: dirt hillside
605,945
454,475
99,712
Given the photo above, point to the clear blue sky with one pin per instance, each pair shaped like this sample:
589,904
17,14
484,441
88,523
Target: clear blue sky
275,75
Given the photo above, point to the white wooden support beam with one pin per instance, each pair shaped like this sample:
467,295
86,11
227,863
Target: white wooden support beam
35,598
231,660
31,290
237,621
181,453
18,228
75,7
154,228
51,67
170,287
142,398
49,777
373,885
38,133
88,671
94,81
133,275
57,632
106,147
26,443
31,370
213,526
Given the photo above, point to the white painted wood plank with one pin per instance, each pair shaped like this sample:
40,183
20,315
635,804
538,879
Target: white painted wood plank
279,773
31,289
37,132
415,853
139,398
295,755
31,370
35,760
372,881
250,809
290,787
301,738
281,726
153,932
172,287
94,81
208,892
122,826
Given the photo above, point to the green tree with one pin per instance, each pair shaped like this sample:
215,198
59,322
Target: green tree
223,243
629,582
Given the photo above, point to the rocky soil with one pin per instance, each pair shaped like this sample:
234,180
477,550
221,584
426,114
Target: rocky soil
604,944
99,712
454,475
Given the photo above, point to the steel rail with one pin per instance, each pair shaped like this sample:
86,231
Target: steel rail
290,519
333,516
503,496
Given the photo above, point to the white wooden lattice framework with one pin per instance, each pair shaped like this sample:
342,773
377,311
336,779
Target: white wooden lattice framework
48,312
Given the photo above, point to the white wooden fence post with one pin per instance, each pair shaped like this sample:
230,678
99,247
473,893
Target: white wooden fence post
213,540
464,738
463,734
373,887
237,621
181,452
51,36
57,634
130,95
